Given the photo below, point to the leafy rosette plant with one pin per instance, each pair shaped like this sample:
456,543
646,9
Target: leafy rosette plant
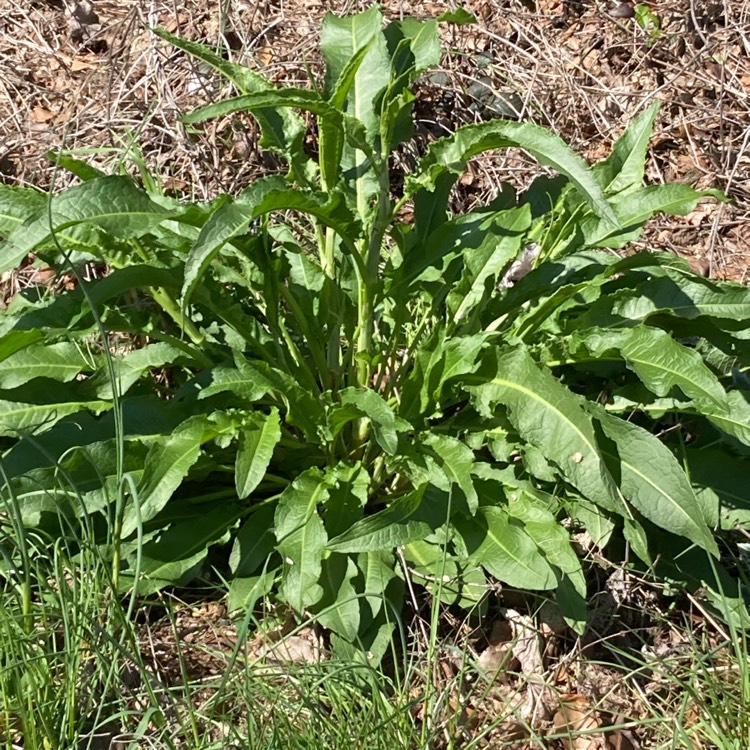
335,396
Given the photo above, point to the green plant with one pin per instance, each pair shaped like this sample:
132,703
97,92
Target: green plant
297,372
649,21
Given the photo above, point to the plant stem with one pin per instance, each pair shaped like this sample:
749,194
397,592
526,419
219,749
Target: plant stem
167,303
368,284
170,306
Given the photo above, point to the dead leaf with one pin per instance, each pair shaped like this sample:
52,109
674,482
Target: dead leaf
304,646
264,55
82,63
525,643
41,114
527,649
574,717
495,659
498,656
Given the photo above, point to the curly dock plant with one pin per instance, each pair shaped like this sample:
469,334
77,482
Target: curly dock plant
316,394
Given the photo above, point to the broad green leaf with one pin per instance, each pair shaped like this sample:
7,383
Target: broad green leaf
230,219
244,593
113,203
453,152
304,271
597,522
282,130
576,271
414,46
338,417
245,79
345,80
19,417
437,363
141,417
52,314
257,441
681,296
254,542
377,569
374,637
486,263
252,381
720,481
331,133
331,137
459,16
634,209
457,461
634,396
302,538
452,241
347,498
61,362
732,417
412,516
76,482
505,550
288,97
381,416
81,169
550,536
659,361
178,554
340,41
233,218
624,168
130,368
545,197
16,340
338,609
122,280
16,206
653,481
443,576
549,416
431,207
166,467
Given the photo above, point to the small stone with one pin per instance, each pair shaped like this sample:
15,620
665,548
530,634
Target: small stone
623,10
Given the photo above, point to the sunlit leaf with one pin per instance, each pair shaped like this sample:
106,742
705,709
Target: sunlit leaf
302,538
548,416
113,203
653,481
505,550
453,152
257,441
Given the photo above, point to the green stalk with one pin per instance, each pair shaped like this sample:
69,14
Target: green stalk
368,284
315,350
327,257
169,305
